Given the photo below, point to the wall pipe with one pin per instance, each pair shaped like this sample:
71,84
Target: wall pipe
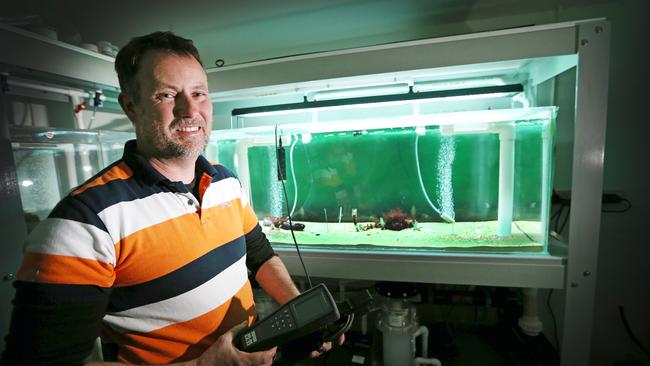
49,89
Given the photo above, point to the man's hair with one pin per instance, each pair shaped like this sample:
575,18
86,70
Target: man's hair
127,62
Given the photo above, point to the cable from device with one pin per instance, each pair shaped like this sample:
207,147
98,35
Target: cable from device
281,173
629,331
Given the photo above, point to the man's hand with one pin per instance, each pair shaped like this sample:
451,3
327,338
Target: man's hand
325,347
224,353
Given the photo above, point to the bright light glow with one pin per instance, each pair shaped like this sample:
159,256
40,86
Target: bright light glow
425,86
367,91
306,138
420,130
87,168
473,119
314,111
27,183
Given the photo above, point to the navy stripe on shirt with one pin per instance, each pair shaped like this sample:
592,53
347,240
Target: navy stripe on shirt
179,281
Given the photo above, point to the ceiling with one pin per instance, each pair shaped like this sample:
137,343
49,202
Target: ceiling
249,30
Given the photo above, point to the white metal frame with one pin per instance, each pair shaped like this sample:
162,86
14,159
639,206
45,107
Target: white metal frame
589,40
586,190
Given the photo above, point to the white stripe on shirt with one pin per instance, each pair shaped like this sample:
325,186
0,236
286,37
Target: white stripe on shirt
183,307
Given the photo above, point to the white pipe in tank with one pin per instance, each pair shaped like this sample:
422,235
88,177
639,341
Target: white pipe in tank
506,178
507,136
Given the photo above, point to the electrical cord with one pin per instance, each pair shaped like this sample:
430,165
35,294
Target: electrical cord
346,326
628,206
566,218
621,311
286,199
550,310
417,164
559,219
525,233
293,175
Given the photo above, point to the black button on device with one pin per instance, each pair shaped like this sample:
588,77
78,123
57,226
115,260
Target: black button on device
190,202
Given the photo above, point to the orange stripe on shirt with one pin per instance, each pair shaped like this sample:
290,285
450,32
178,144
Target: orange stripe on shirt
187,340
145,254
52,268
250,219
120,171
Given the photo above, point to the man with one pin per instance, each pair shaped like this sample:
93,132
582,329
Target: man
154,251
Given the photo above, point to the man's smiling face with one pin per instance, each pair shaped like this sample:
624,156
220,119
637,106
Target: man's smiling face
173,112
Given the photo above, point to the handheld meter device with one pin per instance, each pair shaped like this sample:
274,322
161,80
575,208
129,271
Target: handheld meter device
305,314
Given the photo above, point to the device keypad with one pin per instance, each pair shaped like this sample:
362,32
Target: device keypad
282,321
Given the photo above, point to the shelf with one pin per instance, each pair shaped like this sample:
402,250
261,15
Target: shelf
35,52
512,270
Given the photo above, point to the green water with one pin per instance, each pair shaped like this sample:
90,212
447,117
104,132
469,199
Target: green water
373,171
463,236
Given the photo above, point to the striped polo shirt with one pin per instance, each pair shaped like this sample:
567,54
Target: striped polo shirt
173,264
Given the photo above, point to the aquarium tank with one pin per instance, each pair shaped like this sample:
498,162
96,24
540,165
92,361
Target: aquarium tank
400,175
52,162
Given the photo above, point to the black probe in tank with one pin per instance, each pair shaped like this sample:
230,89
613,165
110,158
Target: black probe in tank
282,174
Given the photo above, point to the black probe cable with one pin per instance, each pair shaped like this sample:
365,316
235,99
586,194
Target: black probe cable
284,189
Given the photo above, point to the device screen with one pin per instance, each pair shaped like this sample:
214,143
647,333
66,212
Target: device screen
311,308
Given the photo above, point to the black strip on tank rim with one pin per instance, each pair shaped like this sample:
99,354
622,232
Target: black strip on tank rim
510,88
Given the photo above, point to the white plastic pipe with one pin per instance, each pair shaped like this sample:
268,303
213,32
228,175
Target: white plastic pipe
506,133
71,166
424,341
506,178
427,361
529,322
49,89
424,346
241,165
546,138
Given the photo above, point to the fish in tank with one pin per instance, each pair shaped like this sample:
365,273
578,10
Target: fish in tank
474,181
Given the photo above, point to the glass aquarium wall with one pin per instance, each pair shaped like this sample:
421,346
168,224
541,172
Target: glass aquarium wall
50,163
405,178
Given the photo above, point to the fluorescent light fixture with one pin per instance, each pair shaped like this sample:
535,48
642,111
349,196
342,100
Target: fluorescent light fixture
290,108
367,91
425,86
475,120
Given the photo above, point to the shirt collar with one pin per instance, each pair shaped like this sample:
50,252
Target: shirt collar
144,171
